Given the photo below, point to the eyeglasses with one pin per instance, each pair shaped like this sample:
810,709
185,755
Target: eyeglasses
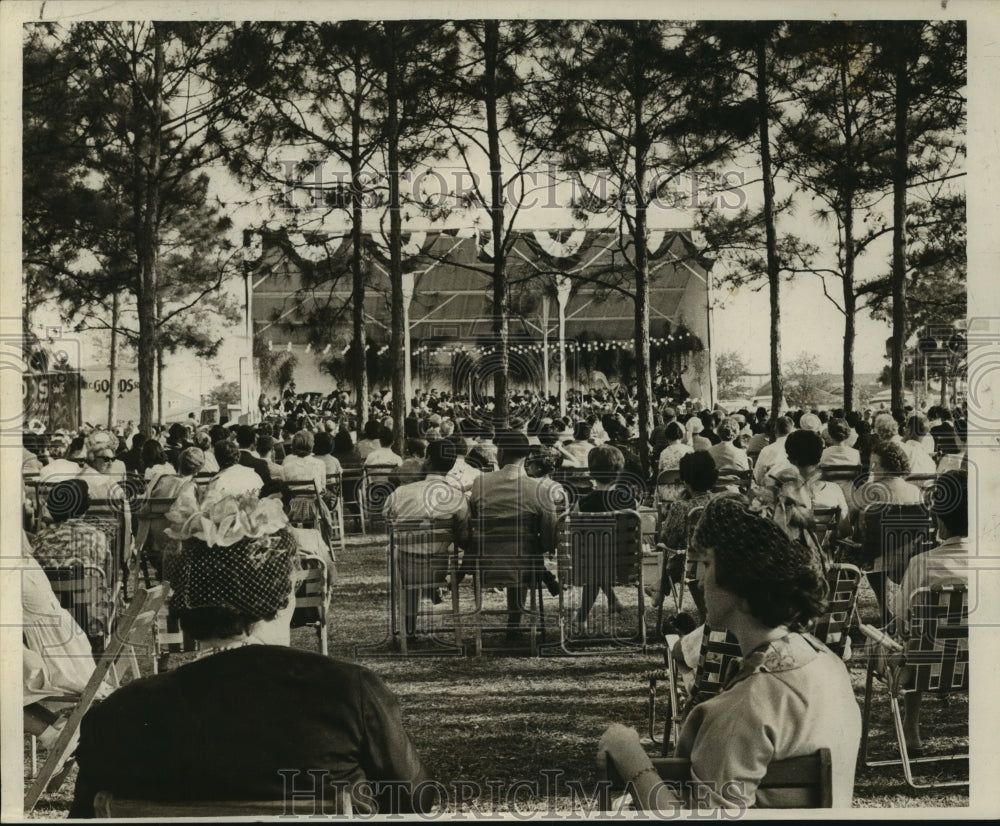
105,457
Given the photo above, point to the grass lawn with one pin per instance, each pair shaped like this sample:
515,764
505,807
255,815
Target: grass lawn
484,723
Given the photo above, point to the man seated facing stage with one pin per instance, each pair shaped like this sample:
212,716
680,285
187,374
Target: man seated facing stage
437,498
509,493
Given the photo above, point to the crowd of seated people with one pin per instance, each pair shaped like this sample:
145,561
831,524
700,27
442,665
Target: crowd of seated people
752,577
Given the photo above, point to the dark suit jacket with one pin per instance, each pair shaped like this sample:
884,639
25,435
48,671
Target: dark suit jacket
223,727
259,466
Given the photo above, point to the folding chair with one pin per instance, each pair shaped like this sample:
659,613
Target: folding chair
311,583
375,490
507,556
826,522
351,493
848,477
114,517
307,512
31,501
729,478
841,473
796,783
932,656
201,479
169,638
333,496
420,550
894,534
832,627
603,548
108,806
85,591
663,479
130,632
575,481
719,658
151,519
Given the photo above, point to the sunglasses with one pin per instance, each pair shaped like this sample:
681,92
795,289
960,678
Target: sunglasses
105,457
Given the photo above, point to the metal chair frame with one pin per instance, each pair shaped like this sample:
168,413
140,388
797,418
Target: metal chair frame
522,532
608,545
412,546
932,656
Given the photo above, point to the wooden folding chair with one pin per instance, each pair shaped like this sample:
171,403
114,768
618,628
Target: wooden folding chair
576,482
419,551
333,496
307,511
108,806
114,517
842,473
143,607
201,479
31,501
933,655
601,548
796,783
352,496
848,478
311,585
507,556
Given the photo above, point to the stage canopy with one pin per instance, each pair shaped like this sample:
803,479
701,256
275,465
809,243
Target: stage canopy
303,281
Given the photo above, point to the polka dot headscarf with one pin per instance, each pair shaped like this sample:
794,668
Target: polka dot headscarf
253,576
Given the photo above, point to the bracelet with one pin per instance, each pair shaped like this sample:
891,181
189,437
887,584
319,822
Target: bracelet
640,773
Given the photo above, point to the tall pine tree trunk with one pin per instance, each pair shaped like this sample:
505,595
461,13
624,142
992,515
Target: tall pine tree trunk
501,311
770,234
850,299
159,360
644,381
113,364
147,219
359,368
899,176
395,237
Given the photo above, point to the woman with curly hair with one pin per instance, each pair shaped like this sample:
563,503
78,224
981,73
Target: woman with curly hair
791,694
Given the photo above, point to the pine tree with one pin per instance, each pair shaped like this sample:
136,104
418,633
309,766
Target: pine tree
643,104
